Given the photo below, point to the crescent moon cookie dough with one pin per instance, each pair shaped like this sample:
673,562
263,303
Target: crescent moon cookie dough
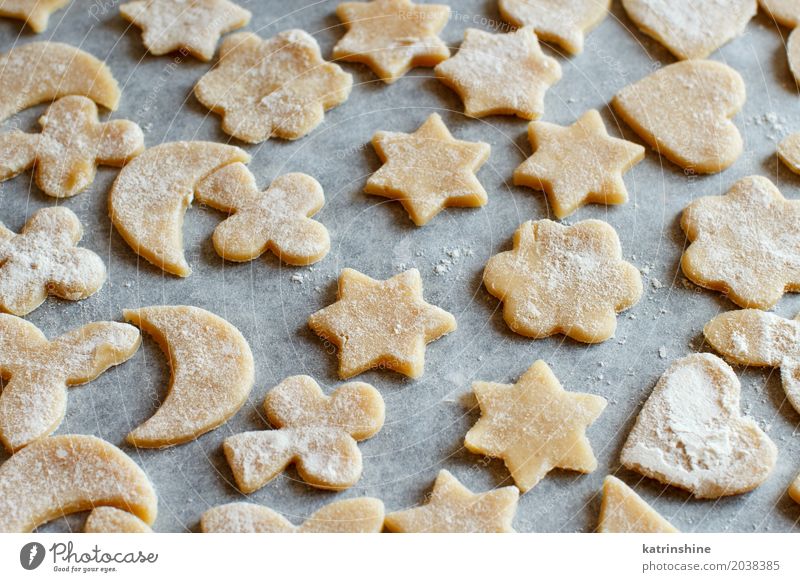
578,164
392,36
381,324
745,243
192,25
623,511
428,170
72,143
315,432
38,372
691,434
684,111
789,152
535,426
691,29
280,87
564,279
112,520
212,373
35,13
561,22
277,219
359,515
500,74
44,259
65,474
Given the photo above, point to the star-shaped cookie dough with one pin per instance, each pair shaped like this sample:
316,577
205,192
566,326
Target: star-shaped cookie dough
623,511
428,170
578,164
192,25
500,74
35,13
392,36
381,323
535,426
455,509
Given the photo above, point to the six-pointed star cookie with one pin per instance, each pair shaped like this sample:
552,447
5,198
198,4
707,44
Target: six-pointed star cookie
500,74
623,511
392,36
428,170
35,13
577,164
193,25
455,509
534,426
381,323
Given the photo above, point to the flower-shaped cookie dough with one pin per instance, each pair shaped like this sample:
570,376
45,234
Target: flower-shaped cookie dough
35,13
392,36
317,433
193,25
453,508
276,219
69,148
381,323
44,259
428,170
277,87
745,243
578,164
564,279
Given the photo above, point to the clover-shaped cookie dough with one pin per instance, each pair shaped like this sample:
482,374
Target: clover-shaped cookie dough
564,279
72,143
745,243
684,112
500,74
562,22
44,260
623,511
691,434
35,13
452,508
359,515
277,219
317,433
392,36
277,87
789,152
381,324
578,164
535,426
38,372
428,170
112,520
192,25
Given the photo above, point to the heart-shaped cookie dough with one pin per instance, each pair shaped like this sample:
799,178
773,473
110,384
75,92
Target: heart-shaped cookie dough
683,111
691,434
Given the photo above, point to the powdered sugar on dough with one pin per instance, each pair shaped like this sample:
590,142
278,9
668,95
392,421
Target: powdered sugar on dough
789,152
35,13
113,520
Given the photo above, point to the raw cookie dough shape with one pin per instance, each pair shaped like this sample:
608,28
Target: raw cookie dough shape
745,243
392,36
381,324
212,373
359,515
277,87
453,508
564,279
193,25
578,164
785,12
562,22
691,434
684,112
428,170
690,29
39,72
535,426
112,520
64,474
793,53
623,511
44,259
38,372
794,490
150,196
277,219
789,152
317,433
35,13
500,74
72,143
